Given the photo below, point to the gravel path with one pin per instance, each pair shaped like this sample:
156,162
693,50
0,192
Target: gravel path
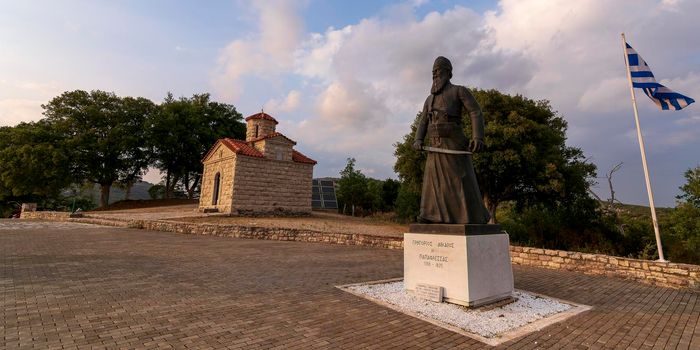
488,323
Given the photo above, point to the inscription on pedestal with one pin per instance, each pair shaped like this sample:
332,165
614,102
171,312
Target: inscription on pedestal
434,254
429,292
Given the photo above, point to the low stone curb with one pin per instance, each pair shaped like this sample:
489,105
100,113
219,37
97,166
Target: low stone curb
665,274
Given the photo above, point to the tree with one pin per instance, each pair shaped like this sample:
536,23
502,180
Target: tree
390,192
100,134
527,160
352,187
183,131
409,162
407,203
691,189
32,165
373,200
682,241
157,191
137,155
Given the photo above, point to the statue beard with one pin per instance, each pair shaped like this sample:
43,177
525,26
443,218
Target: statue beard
439,83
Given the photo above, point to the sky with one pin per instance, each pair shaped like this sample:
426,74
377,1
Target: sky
346,78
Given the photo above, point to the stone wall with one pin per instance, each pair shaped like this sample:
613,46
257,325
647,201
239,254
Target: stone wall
27,207
266,233
46,215
221,161
265,127
665,274
272,147
266,185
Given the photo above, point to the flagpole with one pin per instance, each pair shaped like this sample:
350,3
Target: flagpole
644,156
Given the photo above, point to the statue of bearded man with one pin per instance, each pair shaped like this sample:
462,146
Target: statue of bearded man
450,192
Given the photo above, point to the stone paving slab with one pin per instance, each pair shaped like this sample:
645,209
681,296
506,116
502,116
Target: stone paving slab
99,287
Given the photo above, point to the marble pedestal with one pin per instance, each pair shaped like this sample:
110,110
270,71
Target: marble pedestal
470,262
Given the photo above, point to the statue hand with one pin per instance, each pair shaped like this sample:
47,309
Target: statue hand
417,145
477,145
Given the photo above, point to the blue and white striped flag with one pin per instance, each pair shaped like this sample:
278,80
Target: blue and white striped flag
643,78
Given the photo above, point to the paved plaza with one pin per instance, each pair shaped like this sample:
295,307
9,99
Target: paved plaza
67,285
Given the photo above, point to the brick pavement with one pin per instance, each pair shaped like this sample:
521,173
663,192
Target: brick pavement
81,286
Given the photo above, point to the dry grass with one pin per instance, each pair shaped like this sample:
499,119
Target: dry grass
317,221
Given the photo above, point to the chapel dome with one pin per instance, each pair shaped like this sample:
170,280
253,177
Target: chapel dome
261,116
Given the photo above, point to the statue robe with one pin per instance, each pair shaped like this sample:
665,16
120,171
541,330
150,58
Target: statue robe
450,191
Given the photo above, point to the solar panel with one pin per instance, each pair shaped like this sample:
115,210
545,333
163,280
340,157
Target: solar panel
323,194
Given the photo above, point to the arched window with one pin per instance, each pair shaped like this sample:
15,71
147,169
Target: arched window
217,180
256,131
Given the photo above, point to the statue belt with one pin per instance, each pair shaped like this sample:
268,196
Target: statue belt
444,150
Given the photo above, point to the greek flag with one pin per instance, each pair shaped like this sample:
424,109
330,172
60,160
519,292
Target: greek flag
643,78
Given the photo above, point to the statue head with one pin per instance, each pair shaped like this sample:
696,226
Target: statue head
442,73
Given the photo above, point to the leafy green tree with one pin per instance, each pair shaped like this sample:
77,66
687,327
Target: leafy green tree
407,203
183,131
682,237
100,132
527,160
33,167
352,187
137,155
691,189
409,162
373,200
157,191
390,191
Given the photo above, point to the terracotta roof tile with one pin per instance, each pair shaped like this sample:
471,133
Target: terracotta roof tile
274,134
242,147
261,115
300,158
247,149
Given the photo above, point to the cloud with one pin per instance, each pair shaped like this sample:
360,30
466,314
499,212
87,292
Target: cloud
290,103
15,111
361,85
693,119
25,103
606,92
315,57
371,78
265,54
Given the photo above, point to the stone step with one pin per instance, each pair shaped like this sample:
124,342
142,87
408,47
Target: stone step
102,222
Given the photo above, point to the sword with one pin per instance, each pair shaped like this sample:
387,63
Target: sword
442,150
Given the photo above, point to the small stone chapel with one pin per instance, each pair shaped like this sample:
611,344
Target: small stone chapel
263,174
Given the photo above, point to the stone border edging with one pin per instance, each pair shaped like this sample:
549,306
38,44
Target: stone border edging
251,232
46,215
665,274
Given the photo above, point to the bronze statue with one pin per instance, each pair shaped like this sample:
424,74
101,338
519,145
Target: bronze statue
450,191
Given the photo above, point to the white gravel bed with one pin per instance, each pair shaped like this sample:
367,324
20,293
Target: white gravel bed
486,323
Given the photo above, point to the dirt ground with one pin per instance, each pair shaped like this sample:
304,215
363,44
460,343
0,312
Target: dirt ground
317,221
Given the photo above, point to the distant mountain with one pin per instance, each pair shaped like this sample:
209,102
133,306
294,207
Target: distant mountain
116,193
